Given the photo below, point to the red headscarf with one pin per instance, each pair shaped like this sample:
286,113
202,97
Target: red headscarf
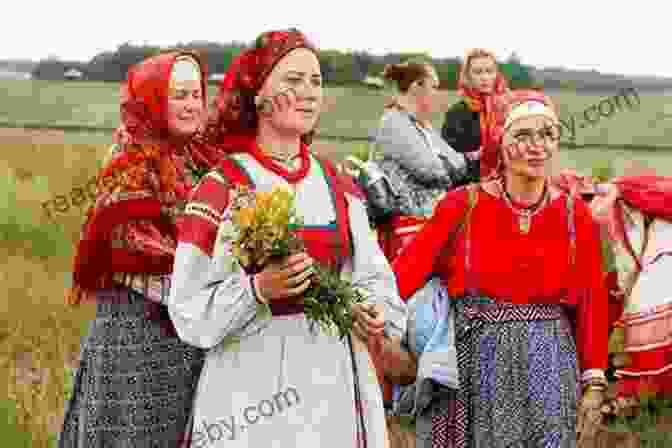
488,106
648,193
491,166
235,111
147,177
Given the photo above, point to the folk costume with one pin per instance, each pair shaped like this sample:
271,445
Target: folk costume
276,380
527,326
639,220
135,382
470,124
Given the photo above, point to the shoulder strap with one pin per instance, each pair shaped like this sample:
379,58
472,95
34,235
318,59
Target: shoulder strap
234,172
339,188
571,227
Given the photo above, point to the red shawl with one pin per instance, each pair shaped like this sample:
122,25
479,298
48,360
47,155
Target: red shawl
130,227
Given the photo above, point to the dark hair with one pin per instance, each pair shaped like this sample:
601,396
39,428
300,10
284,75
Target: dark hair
240,113
406,73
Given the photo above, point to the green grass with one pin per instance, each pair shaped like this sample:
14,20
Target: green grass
349,111
17,218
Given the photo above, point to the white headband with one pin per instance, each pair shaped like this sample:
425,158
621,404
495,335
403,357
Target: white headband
185,69
527,109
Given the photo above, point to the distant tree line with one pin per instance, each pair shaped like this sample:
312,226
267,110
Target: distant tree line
339,68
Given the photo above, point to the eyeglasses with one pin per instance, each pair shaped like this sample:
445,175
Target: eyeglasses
528,137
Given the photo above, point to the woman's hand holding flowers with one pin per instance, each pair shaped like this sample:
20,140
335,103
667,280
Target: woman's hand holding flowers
288,278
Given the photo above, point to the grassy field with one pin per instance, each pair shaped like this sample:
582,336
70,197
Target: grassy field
39,336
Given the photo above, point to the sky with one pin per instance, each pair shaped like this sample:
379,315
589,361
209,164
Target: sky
631,38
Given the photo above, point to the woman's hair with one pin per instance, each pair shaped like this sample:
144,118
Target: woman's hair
406,73
235,110
476,53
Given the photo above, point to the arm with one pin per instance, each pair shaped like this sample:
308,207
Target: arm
592,331
372,271
415,263
211,296
398,140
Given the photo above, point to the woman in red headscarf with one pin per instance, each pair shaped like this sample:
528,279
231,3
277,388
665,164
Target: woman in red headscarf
280,380
470,125
637,213
136,379
521,262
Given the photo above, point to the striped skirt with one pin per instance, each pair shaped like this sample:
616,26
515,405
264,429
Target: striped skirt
134,386
518,381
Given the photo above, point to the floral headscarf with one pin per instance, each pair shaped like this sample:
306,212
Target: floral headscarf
488,106
145,180
234,105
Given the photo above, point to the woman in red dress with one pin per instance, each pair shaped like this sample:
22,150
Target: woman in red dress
525,279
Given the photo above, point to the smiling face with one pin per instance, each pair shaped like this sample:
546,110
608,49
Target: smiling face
185,108
529,145
482,73
298,71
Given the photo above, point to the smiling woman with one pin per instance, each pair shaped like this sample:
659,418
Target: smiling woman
135,382
267,108
529,329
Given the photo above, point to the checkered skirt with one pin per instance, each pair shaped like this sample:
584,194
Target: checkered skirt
134,386
518,380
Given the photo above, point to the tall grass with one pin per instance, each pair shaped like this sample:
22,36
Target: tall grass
39,335
18,225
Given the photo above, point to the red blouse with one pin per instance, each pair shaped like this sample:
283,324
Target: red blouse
515,267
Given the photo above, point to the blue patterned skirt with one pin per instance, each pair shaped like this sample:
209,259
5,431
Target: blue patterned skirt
518,375
134,386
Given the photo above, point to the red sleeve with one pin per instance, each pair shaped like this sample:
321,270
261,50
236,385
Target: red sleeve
415,263
592,330
203,214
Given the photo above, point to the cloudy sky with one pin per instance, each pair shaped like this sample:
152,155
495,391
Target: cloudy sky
629,38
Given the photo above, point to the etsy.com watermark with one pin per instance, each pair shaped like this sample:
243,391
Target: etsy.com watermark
229,429
627,98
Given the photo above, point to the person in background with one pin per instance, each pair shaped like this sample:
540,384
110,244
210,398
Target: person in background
470,124
420,166
135,382
530,325
418,163
637,213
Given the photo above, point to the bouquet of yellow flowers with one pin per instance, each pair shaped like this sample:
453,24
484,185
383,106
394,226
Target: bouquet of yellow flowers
260,228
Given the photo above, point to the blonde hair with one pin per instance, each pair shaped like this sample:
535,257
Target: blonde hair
476,53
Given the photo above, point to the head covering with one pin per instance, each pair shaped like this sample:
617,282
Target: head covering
650,194
487,105
512,106
235,110
529,109
144,95
146,174
185,70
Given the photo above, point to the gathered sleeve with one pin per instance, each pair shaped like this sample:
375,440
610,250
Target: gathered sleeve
211,297
372,271
398,140
592,326
415,263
